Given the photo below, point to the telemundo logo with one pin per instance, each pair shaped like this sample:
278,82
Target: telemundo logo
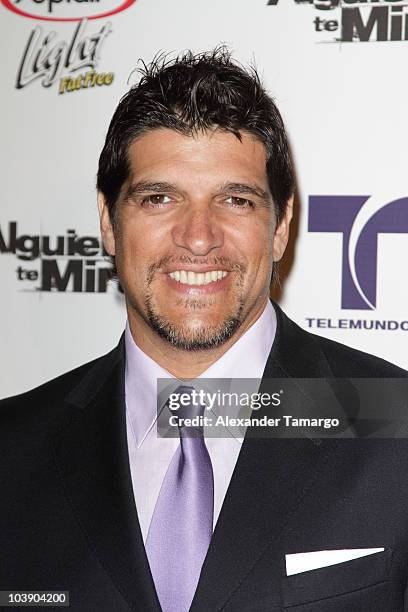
360,220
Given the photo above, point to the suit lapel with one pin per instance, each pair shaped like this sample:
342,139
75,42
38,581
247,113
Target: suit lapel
270,478
92,457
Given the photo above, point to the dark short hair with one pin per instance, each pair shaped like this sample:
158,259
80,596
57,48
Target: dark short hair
192,93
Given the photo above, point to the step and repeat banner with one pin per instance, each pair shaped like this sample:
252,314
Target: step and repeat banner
337,70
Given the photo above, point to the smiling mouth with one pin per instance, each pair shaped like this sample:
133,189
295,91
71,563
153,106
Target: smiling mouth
197,278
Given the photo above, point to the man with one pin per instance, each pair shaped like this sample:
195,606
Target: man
195,192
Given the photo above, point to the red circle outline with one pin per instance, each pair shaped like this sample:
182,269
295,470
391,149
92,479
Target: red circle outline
12,7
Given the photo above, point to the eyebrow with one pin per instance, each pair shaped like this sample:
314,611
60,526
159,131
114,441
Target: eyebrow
243,188
149,186
164,187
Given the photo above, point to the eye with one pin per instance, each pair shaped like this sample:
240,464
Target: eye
156,199
239,202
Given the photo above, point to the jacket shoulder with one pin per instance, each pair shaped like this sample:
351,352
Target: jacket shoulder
48,399
349,362
309,355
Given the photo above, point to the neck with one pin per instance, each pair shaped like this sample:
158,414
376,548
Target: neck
181,363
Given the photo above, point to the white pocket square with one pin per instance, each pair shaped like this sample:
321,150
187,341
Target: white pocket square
304,562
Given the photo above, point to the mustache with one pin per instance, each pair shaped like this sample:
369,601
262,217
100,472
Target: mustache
218,261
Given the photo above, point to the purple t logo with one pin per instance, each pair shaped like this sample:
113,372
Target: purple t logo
343,214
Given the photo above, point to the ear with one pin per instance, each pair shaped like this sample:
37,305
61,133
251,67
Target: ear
281,235
106,225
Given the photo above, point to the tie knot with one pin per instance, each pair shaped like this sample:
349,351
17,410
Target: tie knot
186,405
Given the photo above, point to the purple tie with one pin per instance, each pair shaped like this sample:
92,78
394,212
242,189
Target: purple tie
181,527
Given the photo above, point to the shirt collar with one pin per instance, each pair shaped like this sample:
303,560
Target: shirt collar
142,372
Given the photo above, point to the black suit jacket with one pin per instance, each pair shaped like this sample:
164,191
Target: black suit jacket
68,519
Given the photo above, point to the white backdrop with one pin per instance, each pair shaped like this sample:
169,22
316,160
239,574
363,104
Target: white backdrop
344,103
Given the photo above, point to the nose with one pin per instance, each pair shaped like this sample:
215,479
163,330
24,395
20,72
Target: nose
198,231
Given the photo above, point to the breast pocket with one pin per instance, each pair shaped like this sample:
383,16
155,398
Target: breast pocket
354,577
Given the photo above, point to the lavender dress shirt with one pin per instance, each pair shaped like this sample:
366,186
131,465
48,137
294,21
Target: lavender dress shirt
150,455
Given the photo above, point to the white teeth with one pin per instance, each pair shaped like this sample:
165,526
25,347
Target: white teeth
197,278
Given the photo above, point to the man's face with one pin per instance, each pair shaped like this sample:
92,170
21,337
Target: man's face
195,235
